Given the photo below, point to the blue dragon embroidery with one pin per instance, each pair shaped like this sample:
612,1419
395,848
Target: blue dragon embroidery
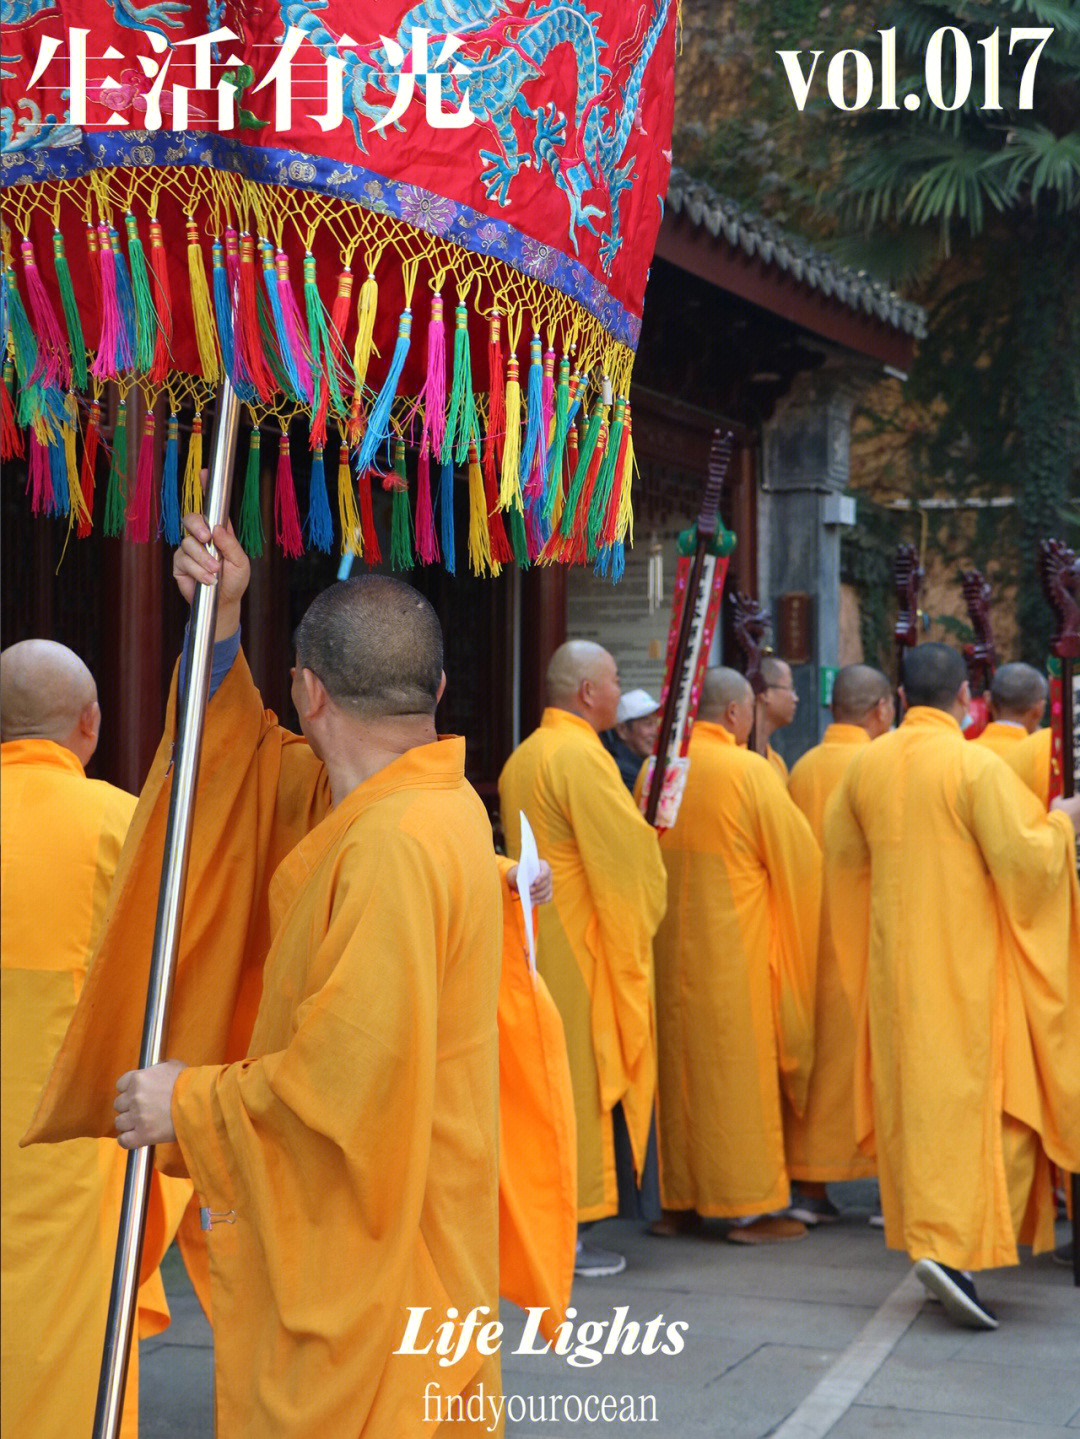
585,157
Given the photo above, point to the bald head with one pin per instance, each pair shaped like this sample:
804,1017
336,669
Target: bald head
46,692
1018,694
862,696
727,700
584,679
376,645
780,699
933,676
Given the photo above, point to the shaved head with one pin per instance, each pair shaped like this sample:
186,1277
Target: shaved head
584,679
775,671
376,645
856,691
719,688
933,674
572,662
44,691
1015,689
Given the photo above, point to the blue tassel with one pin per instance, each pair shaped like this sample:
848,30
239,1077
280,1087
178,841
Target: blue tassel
288,359
223,311
61,500
446,516
378,429
170,525
618,561
534,404
320,527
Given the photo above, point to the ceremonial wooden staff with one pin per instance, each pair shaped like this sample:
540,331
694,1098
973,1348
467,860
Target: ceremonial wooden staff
699,582
907,577
981,656
750,623
1059,571
192,711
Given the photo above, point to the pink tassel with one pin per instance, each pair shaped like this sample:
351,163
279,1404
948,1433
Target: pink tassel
427,546
39,479
11,441
435,384
54,361
139,522
114,353
287,530
232,258
295,328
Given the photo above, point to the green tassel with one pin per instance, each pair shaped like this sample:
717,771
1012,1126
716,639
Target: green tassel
252,538
146,320
270,345
401,531
601,494
518,540
558,443
116,495
319,338
461,411
23,344
76,342
577,484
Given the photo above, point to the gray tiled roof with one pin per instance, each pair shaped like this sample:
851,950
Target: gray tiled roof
757,236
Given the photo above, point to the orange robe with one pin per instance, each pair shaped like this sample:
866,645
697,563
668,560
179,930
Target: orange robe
537,1133
1030,758
778,762
594,940
61,839
349,1159
956,917
1002,738
735,960
820,1143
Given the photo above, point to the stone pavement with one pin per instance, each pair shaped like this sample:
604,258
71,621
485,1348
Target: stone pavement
827,1335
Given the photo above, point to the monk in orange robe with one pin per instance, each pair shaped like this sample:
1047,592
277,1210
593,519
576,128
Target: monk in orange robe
336,1000
60,842
594,941
1017,705
820,1143
776,708
735,961
956,919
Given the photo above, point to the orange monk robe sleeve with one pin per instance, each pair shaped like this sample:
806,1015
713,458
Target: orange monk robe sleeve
792,859
1031,856
537,1134
255,779
620,854
847,885
1030,758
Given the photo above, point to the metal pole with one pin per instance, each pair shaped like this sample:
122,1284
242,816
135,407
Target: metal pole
122,1298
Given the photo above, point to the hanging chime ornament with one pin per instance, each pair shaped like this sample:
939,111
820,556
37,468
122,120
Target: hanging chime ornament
426,225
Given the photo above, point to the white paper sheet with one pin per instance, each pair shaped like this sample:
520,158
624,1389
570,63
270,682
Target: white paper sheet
528,870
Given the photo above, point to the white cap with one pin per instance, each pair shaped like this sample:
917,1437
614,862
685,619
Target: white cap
635,704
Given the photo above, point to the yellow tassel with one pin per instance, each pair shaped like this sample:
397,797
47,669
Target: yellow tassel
509,483
205,332
624,519
352,541
77,506
366,305
192,503
481,561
